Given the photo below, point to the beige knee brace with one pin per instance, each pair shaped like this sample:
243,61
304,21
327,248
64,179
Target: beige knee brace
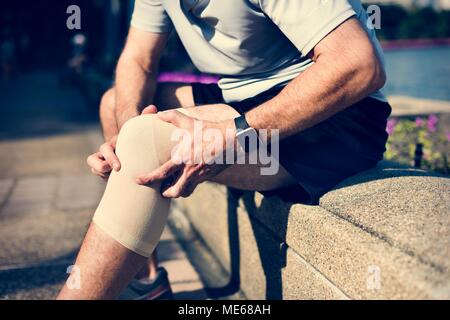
131,214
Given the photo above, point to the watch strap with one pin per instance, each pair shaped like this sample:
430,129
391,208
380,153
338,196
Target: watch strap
241,124
243,131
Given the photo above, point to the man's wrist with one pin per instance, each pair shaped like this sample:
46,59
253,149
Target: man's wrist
229,129
246,137
242,125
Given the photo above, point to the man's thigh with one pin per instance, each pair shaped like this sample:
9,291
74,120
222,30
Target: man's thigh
174,95
240,176
168,96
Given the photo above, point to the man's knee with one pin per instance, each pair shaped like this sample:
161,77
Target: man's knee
108,103
145,141
131,214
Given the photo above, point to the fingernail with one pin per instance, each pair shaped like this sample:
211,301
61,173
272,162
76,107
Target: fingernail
116,166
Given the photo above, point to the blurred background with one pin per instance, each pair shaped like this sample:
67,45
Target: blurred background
51,82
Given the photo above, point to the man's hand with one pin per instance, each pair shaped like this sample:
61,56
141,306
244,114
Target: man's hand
105,160
199,155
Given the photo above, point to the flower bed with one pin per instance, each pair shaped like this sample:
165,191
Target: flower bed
423,142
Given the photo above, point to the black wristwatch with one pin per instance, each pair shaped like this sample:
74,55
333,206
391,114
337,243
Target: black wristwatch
246,136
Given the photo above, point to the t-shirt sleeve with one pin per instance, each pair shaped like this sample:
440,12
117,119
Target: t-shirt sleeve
150,15
307,22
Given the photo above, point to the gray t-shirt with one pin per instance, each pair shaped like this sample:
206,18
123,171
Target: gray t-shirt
253,45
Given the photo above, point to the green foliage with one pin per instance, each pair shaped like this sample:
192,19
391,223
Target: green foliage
405,134
399,23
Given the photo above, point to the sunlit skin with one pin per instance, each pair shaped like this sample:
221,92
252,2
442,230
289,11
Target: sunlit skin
346,69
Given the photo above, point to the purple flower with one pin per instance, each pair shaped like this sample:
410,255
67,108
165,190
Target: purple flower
391,123
419,122
432,123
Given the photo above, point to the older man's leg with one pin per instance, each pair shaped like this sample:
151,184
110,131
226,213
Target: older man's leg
130,218
175,95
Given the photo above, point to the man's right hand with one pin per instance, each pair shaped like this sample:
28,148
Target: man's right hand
105,160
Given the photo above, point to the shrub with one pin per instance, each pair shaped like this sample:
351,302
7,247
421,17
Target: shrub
405,135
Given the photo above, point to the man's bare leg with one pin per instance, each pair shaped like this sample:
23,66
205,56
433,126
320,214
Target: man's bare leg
106,266
176,95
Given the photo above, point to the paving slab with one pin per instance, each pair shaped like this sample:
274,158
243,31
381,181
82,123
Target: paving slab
47,194
78,191
6,186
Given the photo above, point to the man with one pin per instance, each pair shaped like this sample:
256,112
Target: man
308,71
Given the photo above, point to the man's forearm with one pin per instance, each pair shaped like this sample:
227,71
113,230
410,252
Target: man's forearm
135,89
343,73
317,94
137,71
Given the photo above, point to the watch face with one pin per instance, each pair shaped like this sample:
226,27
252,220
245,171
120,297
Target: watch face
241,123
245,131
248,139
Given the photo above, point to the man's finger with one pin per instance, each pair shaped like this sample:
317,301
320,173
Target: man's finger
108,153
190,188
163,172
151,109
104,176
176,118
99,173
177,189
97,162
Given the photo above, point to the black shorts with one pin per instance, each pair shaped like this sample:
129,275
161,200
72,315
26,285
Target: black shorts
320,157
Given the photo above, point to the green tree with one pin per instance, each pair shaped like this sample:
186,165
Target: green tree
443,25
421,23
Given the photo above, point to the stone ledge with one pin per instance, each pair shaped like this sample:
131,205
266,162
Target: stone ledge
411,106
409,209
369,222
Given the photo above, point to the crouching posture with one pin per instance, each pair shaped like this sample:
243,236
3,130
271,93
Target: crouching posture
309,72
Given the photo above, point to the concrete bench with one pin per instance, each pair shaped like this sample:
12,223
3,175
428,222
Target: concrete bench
383,234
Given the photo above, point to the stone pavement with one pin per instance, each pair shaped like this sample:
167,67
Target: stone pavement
47,196
410,106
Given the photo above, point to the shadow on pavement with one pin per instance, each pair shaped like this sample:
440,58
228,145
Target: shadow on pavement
47,273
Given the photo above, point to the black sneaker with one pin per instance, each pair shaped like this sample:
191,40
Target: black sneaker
157,289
